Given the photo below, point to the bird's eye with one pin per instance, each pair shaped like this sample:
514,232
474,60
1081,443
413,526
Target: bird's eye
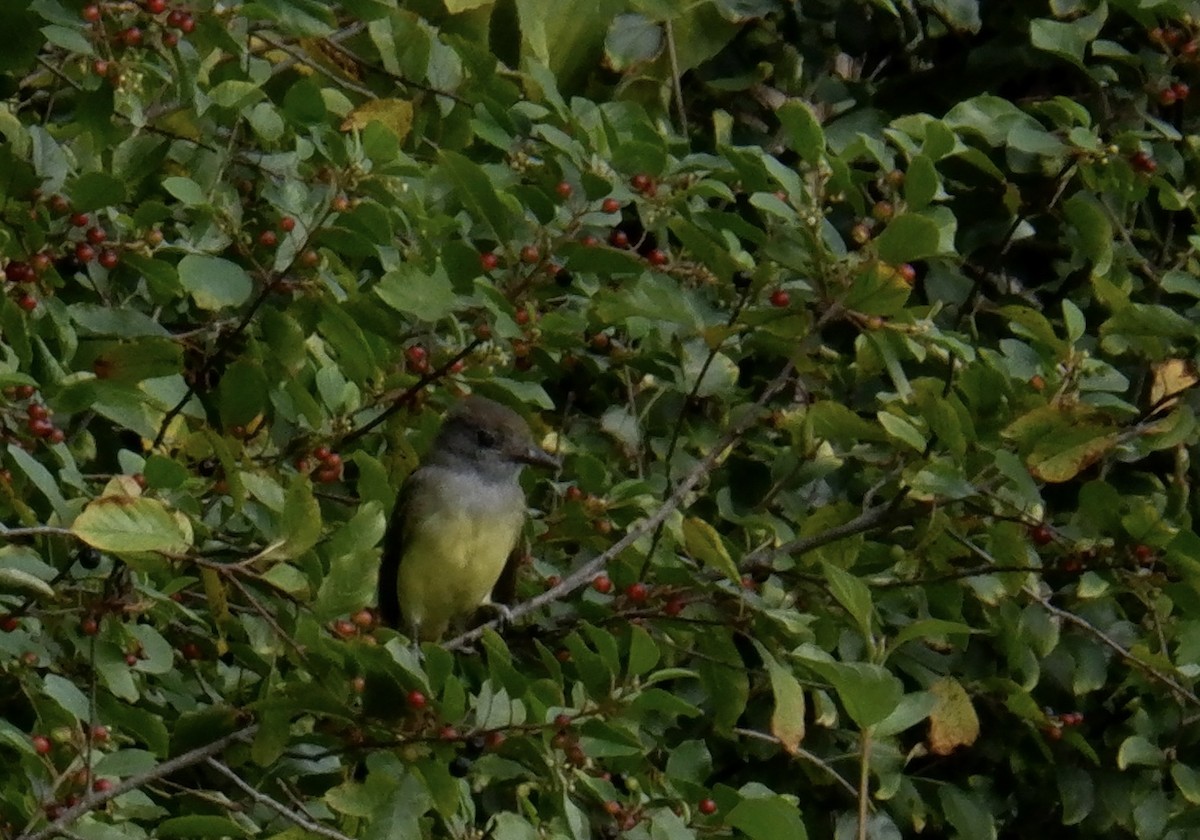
485,438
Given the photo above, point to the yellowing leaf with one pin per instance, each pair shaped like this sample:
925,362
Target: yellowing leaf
124,525
953,722
1171,377
787,720
703,543
218,603
394,114
1063,457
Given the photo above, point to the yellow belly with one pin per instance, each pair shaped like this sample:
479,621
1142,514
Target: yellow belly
450,566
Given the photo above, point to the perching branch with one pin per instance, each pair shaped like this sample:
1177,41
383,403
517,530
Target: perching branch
584,574
278,807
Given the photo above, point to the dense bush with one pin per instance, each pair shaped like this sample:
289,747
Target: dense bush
866,331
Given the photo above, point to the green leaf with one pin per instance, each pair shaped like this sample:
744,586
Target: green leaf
1068,40
213,282
803,132
703,543
124,525
96,190
907,238
475,189
199,826
921,182
632,39
852,594
768,818
426,297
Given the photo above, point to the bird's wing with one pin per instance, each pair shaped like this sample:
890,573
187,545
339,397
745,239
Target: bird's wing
505,590
394,539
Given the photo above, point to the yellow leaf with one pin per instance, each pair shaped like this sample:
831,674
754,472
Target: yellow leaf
394,114
218,604
953,722
1170,379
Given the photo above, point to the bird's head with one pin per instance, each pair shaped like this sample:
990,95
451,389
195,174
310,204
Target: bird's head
491,437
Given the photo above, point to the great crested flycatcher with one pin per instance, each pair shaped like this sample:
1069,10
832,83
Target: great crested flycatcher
452,538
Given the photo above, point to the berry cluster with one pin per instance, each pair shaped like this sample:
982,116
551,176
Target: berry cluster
329,469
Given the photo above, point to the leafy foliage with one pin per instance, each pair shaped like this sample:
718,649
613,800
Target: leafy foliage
867,331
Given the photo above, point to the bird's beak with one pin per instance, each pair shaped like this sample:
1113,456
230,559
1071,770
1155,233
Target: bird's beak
535,456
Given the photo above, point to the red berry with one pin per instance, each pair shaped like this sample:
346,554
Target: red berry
529,254
448,733
602,584
91,13
41,744
618,239
364,618
674,607
309,258
132,36
573,494
1181,90
706,807
344,628
341,204
102,785
488,261
457,367
56,436
553,581
1166,97
610,205
322,453
41,427
521,316
563,189
656,257
268,239
27,302
780,299
493,740
1041,534
84,252
89,626
641,182
175,18
562,720
589,241
80,219
287,224
100,733
1143,552
109,258
637,592
358,685
907,273
417,700
613,808
1143,163
130,660
328,475
96,235
415,354
41,262
332,460
9,623
170,39
188,24
191,651
156,7
18,272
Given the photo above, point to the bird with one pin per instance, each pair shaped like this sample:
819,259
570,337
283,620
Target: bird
450,543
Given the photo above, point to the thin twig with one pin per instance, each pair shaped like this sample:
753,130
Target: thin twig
801,753
865,521
584,574
402,399
93,800
675,80
275,805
